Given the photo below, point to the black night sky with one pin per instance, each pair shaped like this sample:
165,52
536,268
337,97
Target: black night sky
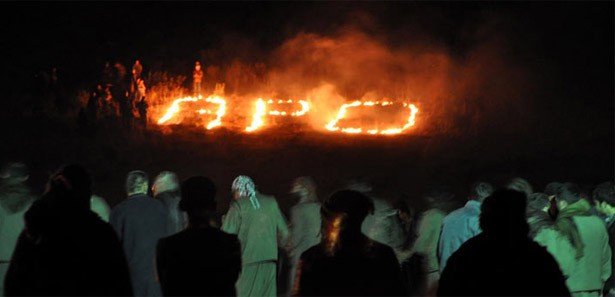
563,51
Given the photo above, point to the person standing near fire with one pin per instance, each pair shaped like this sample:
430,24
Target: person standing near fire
141,104
137,69
197,78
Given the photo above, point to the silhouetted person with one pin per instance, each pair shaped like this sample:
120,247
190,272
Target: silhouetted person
107,75
425,248
462,224
346,262
93,104
166,190
259,224
141,106
543,231
502,260
137,69
521,185
197,78
201,260
604,201
140,221
381,225
589,237
15,199
66,249
304,221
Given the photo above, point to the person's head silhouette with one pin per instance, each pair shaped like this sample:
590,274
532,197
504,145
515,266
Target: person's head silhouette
198,199
70,185
503,213
342,215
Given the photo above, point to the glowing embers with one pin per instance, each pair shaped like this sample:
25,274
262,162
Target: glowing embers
375,117
193,109
275,108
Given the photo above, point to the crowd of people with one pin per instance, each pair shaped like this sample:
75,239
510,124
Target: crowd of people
117,96
122,96
506,240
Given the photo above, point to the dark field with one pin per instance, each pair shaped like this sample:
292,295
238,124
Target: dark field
401,166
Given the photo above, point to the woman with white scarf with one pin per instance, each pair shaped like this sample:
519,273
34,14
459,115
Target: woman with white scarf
259,224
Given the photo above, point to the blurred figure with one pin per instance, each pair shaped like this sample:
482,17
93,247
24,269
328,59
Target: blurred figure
521,185
137,69
140,221
544,232
462,224
305,221
93,104
604,204
100,207
141,106
201,260
107,75
589,237
381,225
66,249
346,262
166,189
551,190
425,247
258,222
408,218
15,199
502,260
141,89
197,78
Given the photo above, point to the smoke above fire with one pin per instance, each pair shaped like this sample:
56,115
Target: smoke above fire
331,70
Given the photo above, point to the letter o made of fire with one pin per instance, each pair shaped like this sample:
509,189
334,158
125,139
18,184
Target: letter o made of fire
342,114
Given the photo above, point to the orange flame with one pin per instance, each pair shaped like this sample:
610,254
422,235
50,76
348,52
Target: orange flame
333,125
257,119
261,111
174,109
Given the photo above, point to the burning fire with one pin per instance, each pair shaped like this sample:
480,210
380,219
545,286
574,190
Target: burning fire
257,119
277,108
261,111
174,109
333,125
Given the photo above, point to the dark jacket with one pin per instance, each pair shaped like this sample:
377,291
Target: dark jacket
67,251
502,266
367,268
199,262
177,218
140,221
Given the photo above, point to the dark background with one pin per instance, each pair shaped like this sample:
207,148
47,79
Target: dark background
565,133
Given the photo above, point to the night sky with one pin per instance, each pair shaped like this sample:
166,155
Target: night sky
569,42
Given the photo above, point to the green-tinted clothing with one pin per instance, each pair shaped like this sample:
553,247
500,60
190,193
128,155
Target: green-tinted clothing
559,247
258,229
258,226
383,226
99,206
257,279
15,200
428,232
593,269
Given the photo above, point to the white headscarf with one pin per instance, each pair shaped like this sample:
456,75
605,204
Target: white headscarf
244,187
